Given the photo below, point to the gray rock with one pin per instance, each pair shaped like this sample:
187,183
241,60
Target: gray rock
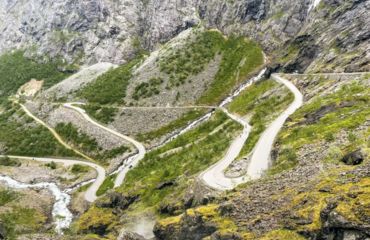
353,158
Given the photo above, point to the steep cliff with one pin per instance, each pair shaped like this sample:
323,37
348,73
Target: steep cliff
106,30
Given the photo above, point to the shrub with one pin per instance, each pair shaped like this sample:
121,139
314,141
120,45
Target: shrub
51,165
77,168
110,87
6,161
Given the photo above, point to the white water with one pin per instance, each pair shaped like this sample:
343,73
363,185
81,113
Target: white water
314,4
61,214
222,105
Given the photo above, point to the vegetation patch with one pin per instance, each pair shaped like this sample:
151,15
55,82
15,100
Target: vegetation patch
311,124
172,126
240,57
107,185
282,234
110,88
157,168
96,220
78,168
260,107
8,162
22,221
16,70
7,196
79,139
147,89
101,113
22,139
87,144
191,58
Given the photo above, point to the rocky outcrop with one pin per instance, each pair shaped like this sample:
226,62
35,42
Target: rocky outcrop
190,227
126,235
353,158
106,30
116,200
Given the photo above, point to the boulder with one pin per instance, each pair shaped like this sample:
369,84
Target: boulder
165,184
127,235
117,200
353,158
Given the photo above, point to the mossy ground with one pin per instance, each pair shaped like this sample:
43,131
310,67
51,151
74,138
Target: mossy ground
350,110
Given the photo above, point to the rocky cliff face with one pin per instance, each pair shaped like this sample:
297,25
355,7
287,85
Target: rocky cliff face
108,30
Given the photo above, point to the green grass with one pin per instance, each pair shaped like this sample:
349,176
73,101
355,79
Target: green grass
16,70
101,113
79,139
112,153
8,162
22,221
147,89
107,185
192,58
154,168
110,87
24,140
77,168
87,144
291,139
260,109
84,188
172,126
7,196
240,58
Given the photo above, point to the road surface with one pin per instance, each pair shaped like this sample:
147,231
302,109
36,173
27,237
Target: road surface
132,161
55,134
214,176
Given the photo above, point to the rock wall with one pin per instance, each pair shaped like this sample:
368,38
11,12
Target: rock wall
91,31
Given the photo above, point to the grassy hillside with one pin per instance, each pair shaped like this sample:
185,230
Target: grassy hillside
87,144
347,110
261,103
15,70
20,135
172,126
240,57
158,167
110,87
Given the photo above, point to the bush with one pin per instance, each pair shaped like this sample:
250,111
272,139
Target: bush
110,87
6,161
77,168
51,165
7,196
101,113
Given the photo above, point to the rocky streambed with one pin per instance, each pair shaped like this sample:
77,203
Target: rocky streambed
61,214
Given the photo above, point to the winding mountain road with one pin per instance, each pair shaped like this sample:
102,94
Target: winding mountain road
214,176
90,194
132,161
55,134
